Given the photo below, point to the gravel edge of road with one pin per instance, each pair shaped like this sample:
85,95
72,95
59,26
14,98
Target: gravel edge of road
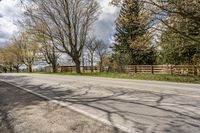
62,104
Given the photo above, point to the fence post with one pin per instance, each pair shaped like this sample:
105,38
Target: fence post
195,70
135,68
152,69
171,69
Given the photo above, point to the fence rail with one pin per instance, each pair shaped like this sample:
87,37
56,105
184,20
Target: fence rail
162,69
153,69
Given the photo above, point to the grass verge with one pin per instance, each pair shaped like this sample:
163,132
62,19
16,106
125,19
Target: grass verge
141,76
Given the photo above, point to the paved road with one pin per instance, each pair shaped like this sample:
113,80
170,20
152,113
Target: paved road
137,106
22,112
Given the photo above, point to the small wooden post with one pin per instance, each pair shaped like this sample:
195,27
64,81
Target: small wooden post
71,69
135,68
195,70
152,69
171,69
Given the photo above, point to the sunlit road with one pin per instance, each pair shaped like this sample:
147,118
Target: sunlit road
135,106
22,112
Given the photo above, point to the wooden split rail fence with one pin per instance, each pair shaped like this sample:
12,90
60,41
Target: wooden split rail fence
163,69
153,69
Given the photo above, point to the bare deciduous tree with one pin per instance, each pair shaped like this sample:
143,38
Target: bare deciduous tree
49,52
68,23
15,52
51,56
91,48
28,50
102,51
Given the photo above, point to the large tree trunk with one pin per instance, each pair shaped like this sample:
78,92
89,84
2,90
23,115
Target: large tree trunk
11,70
92,64
83,63
30,68
78,65
101,65
54,67
17,68
5,70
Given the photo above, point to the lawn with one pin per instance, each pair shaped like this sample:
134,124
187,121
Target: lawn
156,77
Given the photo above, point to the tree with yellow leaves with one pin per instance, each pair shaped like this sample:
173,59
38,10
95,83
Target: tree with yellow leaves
29,50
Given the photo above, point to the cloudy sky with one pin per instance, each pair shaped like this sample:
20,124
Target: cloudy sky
10,12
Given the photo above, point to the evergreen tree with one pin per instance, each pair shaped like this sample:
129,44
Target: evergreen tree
175,49
131,26
178,49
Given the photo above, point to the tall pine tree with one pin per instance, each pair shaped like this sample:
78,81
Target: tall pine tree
131,25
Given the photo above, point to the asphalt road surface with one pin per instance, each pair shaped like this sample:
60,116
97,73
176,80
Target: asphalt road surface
133,105
22,112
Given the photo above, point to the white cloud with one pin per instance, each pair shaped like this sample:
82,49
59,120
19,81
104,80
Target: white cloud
10,11
105,27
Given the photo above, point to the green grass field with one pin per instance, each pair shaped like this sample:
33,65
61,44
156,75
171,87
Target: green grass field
156,77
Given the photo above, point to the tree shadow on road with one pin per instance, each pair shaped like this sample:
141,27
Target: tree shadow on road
140,111
12,99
